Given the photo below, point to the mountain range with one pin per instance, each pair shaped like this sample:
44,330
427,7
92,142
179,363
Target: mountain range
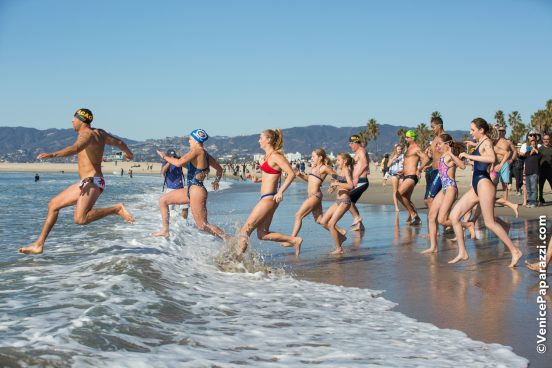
18,144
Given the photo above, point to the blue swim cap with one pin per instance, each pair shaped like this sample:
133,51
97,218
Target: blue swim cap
199,135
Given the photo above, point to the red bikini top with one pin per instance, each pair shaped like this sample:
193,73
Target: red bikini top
267,168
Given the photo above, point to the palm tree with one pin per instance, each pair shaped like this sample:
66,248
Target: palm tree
435,114
518,128
373,131
401,134
424,134
499,117
365,137
549,106
540,120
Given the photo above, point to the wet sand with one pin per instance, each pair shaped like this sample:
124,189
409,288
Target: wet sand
482,297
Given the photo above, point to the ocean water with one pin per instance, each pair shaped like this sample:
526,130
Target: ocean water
109,295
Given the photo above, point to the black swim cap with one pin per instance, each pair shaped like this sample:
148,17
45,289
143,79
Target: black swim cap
171,153
84,115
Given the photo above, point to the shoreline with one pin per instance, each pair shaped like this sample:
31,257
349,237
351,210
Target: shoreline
376,193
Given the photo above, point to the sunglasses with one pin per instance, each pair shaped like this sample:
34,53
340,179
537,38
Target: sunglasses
532,135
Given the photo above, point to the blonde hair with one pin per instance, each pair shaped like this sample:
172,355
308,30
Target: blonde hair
397,147
347,158
276,138
321,153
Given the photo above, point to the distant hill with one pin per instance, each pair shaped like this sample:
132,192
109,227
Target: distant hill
18,144
23,144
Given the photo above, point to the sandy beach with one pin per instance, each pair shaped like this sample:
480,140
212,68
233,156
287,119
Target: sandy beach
376,194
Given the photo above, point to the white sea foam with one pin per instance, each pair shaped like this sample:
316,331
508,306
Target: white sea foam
112,296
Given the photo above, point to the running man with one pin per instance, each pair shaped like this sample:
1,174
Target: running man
414,154
361,170
433,185
89,148
506,153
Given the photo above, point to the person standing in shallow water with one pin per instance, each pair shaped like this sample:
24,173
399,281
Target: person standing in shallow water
482,191
361,170
411,174
260,218
89,148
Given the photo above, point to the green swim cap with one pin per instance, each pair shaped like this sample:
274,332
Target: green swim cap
84,115
411,134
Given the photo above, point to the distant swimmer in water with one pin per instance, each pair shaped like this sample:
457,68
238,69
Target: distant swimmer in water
89,148
260,218
342,181
37,177
314,179
197,162
482,191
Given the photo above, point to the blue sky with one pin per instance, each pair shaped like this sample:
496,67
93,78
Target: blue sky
151,69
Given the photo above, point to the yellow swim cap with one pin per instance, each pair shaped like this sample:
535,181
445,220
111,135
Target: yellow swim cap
84,115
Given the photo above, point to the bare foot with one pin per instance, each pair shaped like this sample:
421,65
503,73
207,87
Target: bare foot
336,252
358,227
286,244
416,221
341,230
409,219
397,209
516,209
34,248
515,258
163,233
533,266
429,250
297,246
459,257
125,214
356,221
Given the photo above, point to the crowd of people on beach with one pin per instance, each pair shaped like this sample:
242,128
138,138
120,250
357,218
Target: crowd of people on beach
492,159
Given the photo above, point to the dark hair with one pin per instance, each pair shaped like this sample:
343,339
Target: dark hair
455,147
437,120
481,123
